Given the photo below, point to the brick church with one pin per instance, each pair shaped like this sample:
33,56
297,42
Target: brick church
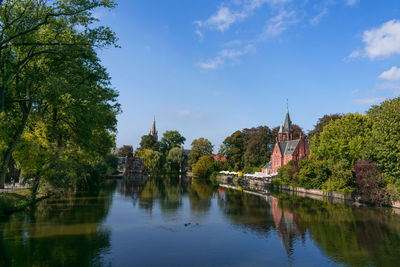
286,148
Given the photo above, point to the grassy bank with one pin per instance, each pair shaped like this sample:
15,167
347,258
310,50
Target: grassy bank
17,201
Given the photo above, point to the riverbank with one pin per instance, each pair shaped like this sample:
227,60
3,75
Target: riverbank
335,197
331,196
17,201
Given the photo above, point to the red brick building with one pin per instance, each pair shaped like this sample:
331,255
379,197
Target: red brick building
286,148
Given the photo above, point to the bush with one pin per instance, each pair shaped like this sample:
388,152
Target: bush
312,173
370,182
341,178
203,167
286,173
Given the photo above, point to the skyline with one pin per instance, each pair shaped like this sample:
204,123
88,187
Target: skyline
210,68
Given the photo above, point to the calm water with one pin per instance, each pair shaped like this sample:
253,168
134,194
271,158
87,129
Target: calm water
166,221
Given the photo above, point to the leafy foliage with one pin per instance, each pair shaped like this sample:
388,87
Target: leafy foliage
200,147
322,122
55,97
248,148
370,182
170,140
204,167
343,139
384,148
148,142
125,151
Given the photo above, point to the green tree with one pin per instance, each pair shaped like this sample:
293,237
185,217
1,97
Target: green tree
384,148
152,159
233,149
200,147
148,142
204,167
312,173
259,146
176,158
125,151
170,140
42,54
343,139
341,178
322,122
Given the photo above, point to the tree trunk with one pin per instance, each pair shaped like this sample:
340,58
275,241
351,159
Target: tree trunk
7,156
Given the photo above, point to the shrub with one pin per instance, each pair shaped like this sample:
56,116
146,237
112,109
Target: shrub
370,182
341,178
203,167
312,173
286,172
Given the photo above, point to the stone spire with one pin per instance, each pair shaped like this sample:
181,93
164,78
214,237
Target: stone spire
153,130
287,127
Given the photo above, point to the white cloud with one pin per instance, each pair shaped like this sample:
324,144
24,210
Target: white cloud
211,63
226,16
225,55
369,101
351,2
393,86
381,42
316,20
276,25
392,75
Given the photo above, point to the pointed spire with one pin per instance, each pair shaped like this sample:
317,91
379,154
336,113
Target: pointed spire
287,127
153,130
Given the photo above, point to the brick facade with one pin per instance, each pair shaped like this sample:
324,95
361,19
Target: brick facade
286,148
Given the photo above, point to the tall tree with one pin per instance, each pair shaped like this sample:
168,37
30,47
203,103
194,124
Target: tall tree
259,146
343,139
233,149
200,147
125,151
175,158
322,122
384,148
170,140
148,142
42,54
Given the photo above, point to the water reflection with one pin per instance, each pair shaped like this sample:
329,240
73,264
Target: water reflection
58,232
129,219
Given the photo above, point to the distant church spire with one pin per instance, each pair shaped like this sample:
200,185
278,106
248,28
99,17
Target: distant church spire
287,126
153,131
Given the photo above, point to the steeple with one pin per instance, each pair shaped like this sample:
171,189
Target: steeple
287,127
153,130
286,130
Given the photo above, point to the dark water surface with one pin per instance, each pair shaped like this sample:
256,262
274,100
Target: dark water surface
172,222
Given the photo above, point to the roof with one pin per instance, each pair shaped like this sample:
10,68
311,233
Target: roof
267,166
287,147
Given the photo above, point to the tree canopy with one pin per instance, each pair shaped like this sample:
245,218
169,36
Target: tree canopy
170,140
57,107
200,147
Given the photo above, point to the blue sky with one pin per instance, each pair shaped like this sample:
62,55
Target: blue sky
208,68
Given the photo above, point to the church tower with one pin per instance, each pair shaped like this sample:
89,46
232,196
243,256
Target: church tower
286,130
153,131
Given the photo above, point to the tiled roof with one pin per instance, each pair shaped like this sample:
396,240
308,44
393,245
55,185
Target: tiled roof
288,147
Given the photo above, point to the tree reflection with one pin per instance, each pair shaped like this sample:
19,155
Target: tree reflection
58,232
349,235
200,193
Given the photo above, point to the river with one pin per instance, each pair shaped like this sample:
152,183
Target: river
177,222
